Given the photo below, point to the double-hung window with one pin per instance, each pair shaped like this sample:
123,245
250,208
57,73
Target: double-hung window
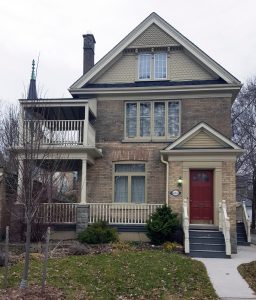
152,120
144,66
152,66
129,182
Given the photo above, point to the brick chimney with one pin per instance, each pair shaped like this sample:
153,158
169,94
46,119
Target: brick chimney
89,43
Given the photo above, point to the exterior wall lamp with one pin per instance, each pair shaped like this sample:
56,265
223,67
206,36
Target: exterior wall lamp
179,182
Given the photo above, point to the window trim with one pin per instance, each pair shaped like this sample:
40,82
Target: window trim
150,66
152,137
129,175
160,78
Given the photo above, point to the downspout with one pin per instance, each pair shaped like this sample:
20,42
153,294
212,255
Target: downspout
167,177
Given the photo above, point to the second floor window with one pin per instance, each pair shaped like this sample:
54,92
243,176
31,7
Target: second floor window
152,66
156,120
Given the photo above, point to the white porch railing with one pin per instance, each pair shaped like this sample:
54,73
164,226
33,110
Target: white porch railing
59,132
58,213
246,221
224,225
185,225
117,213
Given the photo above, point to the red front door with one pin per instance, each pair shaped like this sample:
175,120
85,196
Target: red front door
201,196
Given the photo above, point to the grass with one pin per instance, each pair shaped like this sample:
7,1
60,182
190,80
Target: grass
248,272
134,275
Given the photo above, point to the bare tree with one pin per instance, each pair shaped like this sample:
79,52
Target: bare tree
244,134
23,148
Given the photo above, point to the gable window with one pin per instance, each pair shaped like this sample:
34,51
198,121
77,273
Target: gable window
129,182
152,120
160,60
152,66
144,66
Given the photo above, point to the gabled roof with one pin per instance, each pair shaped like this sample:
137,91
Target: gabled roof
153,18
224,143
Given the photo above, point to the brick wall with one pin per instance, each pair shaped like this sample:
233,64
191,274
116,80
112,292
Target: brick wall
100,176
214,111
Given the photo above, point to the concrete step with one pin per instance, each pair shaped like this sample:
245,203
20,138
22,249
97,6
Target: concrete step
202,246
205,233
208,254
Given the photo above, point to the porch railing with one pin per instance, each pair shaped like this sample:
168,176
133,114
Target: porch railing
246,221
113,213
58,213
117,213
59,132
185,225
224,225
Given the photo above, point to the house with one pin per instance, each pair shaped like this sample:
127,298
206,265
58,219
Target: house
147,125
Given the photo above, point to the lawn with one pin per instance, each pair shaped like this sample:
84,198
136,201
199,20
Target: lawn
248,271
144,274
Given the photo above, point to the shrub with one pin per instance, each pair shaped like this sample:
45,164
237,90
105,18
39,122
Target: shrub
98,233
161,225
171,246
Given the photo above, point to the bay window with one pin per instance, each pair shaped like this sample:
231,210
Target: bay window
152,120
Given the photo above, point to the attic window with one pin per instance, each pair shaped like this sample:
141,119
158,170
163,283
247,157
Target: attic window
144,66
152,66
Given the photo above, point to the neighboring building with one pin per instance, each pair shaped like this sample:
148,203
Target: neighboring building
149,124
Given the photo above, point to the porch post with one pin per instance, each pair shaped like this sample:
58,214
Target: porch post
83,182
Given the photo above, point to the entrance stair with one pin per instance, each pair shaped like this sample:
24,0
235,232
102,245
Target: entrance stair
241,235
207,242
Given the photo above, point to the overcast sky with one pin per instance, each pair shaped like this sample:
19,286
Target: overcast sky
224,29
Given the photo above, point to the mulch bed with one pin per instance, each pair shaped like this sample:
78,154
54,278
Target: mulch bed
33,292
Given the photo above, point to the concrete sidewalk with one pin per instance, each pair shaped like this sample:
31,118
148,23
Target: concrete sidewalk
226,280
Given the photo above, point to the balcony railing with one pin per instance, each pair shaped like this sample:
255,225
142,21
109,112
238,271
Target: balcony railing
59,132
58,213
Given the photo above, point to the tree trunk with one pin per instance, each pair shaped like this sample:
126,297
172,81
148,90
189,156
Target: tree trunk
254,199
24,281
6,257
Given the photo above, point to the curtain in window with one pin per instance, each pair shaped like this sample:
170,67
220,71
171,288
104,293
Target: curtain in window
173,119
121,189
145,119
160,65
138,189
144,66
131,119
159,119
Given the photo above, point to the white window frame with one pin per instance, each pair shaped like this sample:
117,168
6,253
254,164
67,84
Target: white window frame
150,67
152,137
159,78
129,175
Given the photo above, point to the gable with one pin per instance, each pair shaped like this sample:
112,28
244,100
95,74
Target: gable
141,35
180,67
203,140
202,136
153,36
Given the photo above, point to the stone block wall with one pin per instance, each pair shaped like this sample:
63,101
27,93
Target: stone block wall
229,194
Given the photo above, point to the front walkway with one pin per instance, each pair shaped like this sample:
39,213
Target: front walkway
226,280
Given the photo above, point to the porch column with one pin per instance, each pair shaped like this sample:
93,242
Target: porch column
83,182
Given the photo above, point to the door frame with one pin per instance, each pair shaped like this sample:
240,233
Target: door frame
216,167
212,191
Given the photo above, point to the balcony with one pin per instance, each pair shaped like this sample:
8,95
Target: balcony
60,132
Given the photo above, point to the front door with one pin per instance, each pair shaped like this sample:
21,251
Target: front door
201,196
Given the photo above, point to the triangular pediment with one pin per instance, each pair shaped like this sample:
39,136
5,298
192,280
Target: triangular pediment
202,136
146,33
